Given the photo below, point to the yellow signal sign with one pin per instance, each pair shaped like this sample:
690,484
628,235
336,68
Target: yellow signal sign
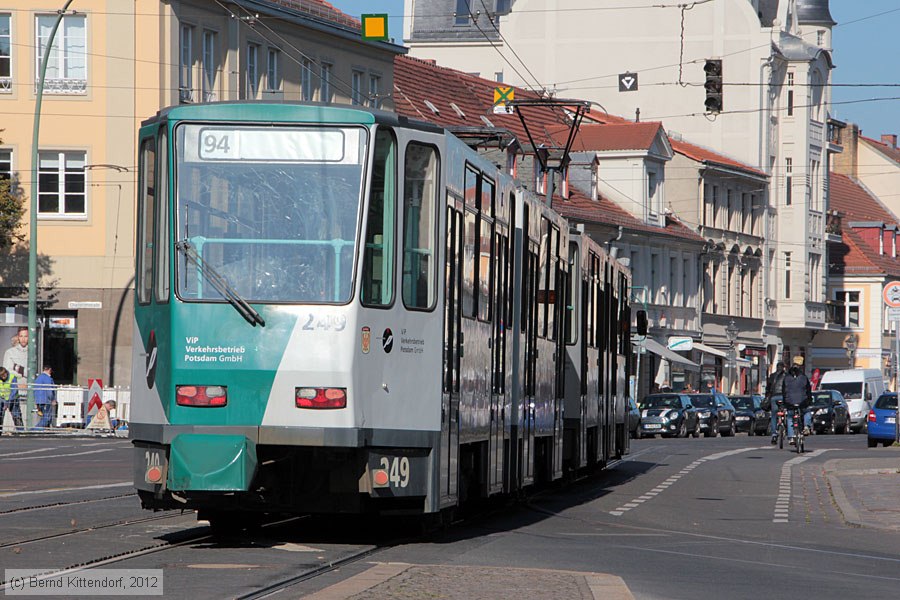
374,27
504,95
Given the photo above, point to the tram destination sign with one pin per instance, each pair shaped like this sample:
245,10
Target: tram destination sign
335,145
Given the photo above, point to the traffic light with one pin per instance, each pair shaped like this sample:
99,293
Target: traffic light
713,69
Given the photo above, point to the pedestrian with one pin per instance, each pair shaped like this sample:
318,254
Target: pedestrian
796,391
8,398
773,388
45,396
665,387
15,359
688,389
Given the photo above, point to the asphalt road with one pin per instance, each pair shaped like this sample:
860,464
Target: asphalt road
682,518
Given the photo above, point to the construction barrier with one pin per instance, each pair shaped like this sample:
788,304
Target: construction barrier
75,409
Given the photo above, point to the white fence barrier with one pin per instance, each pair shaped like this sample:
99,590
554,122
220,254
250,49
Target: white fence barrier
73,408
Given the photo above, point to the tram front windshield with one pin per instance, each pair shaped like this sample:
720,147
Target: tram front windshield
271,210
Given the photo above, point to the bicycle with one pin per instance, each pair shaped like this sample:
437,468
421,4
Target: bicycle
797,417
781,425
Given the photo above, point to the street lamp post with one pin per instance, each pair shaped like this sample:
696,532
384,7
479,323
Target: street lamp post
32,239
732,332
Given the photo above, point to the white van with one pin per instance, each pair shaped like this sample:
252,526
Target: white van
860,388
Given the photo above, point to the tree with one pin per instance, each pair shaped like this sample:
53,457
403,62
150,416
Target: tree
12,207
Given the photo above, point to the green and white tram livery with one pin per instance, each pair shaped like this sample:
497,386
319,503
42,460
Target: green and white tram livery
328,319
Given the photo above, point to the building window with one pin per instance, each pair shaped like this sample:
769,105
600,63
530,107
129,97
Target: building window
651,194
252,71
503,7
66,64
273,71
848,303
325,83
356,88
462,12
186,65
374,86
306,75
787,275
820,38
209,66
790,95
685,281
61,189
5,165
788,180
5,54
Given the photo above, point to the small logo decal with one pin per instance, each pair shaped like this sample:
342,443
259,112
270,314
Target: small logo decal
366,339
151,360
387,340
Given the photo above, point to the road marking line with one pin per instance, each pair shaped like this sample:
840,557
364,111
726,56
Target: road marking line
73,489
61,455
785,488
661,487
27,452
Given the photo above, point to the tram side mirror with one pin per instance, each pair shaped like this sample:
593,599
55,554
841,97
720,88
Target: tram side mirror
642,324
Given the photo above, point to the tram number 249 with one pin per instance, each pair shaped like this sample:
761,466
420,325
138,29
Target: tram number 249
397,469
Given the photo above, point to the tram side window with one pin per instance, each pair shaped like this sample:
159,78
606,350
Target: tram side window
378,259
470,243
486,250
573,296
162,229
147,211
420,226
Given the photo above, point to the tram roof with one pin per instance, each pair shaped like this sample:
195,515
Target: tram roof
287,112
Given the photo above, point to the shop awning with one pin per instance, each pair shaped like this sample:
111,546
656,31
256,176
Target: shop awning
710,350
658,349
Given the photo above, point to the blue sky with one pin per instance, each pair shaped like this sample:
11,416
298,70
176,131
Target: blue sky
865,52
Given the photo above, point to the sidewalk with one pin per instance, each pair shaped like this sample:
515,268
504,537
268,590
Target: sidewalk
867,490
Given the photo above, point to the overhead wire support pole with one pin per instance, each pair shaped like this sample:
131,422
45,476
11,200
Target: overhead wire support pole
32,235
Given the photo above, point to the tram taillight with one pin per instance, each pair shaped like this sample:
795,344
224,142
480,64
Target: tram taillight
207,396
307,397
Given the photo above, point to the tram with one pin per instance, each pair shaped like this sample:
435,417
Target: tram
339,310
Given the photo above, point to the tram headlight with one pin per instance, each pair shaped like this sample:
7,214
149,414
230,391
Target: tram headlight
204,396
308,397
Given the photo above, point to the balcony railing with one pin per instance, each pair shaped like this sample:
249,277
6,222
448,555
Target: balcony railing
63,86
5,84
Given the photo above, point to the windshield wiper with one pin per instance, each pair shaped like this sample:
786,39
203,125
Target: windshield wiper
220,283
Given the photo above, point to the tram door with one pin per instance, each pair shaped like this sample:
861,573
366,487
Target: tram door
452,346
498,355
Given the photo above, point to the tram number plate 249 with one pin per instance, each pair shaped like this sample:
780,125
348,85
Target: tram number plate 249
398,473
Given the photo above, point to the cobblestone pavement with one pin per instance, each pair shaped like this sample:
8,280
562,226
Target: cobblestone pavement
867,491
400,581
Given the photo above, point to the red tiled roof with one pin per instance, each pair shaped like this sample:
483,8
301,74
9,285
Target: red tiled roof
417,80
890,152
855,203
580,207
853,255
701,154
321,10
593,137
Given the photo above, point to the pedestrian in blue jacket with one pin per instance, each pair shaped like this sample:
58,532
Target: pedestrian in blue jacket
45,396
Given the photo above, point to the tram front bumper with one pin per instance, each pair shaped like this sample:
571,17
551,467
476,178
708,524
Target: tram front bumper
221,463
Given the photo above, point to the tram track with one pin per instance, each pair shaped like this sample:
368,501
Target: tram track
65,504
121,522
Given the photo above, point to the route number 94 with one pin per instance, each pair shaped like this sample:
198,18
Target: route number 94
397,469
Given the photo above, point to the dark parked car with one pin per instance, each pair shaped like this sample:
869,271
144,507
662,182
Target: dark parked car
882,420
716,413
633,414
829,412
671,415
749,414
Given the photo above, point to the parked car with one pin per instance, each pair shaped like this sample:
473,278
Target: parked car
671,415
830,413
882,421
860,388
749,414
716,413
633,414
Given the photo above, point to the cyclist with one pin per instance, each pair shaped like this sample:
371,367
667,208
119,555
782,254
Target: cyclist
797,393
773,388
